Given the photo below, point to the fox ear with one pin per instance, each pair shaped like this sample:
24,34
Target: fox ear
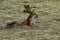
26,5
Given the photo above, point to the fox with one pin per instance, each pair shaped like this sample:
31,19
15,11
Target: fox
31,18
30,21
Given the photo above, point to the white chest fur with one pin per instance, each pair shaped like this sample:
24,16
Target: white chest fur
33,20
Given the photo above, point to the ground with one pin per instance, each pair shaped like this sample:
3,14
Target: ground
48,20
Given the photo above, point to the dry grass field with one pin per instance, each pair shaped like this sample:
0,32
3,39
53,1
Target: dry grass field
48,20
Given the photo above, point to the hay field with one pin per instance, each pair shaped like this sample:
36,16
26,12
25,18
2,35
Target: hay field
48,20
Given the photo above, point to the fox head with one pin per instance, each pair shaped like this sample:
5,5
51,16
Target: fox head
29,10
26,6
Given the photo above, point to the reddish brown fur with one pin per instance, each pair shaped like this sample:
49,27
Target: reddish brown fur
28,8
28,21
